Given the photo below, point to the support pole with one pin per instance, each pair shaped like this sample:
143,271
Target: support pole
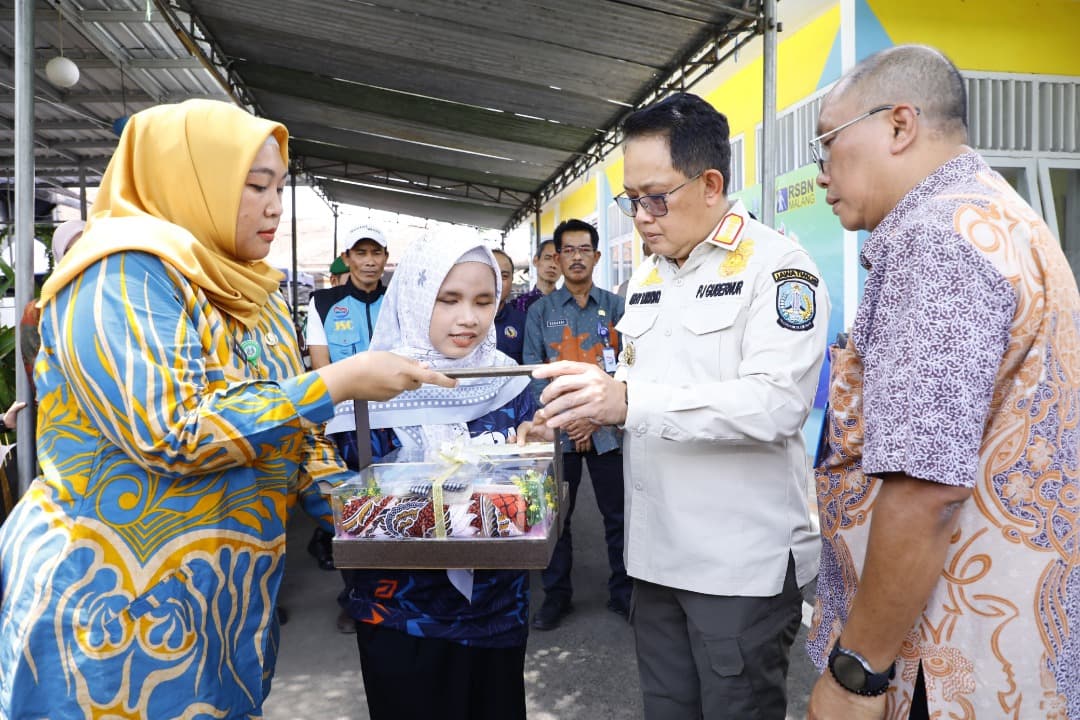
24,223
334,208
82,190
768,122
536,247
294,279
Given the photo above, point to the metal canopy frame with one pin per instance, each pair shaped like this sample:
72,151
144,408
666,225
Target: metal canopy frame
461,110
127,63
458,107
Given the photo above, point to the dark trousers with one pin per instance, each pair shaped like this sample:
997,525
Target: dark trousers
919,709
716,657
346,446
606,472
412,678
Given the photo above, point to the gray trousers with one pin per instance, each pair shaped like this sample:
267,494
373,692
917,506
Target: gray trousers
714,657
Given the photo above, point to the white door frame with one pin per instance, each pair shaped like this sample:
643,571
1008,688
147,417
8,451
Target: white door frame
1047,190
1031,175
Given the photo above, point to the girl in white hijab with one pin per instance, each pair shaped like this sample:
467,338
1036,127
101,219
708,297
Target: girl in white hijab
425,420
434,643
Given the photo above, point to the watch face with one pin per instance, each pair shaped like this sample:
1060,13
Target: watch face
849,672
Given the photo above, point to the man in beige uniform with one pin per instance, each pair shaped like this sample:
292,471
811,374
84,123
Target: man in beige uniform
724,336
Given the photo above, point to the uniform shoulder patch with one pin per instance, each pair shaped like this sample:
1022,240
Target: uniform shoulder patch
795,274
796,302
727,235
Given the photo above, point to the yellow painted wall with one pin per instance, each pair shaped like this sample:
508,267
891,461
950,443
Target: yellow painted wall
547,223
990,35
800,59
613,170
1037,36
581,202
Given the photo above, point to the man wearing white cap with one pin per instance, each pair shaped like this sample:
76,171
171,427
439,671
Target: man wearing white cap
340,322
347,312
64,237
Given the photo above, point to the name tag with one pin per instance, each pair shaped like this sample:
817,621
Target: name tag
610,363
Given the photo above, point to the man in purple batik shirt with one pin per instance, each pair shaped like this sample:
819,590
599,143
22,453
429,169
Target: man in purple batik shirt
548,273
949,495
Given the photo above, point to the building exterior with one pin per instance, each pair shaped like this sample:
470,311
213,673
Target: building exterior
1023,75
1023,79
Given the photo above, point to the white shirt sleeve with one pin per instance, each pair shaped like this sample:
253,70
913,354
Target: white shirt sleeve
316,333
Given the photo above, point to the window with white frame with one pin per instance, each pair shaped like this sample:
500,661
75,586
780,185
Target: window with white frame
738,164
795,127
620,244
1027,126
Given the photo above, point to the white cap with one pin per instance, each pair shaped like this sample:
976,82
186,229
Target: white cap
64,235
365,232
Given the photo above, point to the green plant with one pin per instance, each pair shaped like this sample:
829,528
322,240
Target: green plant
10,335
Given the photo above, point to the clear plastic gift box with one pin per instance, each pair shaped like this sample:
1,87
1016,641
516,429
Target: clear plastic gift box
499,509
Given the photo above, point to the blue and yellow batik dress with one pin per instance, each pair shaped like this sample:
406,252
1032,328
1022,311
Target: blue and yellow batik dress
140,572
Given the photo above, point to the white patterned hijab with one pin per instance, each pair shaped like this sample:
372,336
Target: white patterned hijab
426,419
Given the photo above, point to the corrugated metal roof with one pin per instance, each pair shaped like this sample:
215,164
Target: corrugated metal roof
461,110
74,127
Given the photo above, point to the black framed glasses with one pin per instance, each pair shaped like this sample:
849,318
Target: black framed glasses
820,152
584,251
655,204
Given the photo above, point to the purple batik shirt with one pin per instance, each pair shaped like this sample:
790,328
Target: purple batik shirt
964,369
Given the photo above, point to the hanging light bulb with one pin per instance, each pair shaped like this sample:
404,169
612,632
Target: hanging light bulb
60,71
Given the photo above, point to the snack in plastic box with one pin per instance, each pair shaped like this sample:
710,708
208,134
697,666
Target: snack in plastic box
488,499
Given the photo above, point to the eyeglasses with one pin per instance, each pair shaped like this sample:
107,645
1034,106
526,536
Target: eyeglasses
655,205
820,152
583,250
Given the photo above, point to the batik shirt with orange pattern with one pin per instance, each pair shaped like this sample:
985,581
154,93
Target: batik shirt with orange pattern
964,369
557,328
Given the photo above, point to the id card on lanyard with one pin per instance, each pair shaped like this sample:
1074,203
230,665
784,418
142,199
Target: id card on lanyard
610,361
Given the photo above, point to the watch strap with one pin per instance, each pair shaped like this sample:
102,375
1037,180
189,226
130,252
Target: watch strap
875,683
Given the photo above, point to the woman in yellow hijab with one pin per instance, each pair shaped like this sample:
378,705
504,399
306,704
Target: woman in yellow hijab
141,570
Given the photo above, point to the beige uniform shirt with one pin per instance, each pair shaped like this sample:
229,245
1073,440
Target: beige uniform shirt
721,359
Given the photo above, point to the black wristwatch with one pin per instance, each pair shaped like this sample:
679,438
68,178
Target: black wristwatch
854,674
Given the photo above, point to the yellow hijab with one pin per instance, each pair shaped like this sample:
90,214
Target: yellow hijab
172,189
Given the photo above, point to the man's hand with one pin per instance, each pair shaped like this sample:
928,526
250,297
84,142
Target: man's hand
376,375
580,391
583,446
829,701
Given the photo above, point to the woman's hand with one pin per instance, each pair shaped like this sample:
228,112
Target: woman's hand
531,432
376,375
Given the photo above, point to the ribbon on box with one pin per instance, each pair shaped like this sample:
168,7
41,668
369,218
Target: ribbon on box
437,499
453,453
